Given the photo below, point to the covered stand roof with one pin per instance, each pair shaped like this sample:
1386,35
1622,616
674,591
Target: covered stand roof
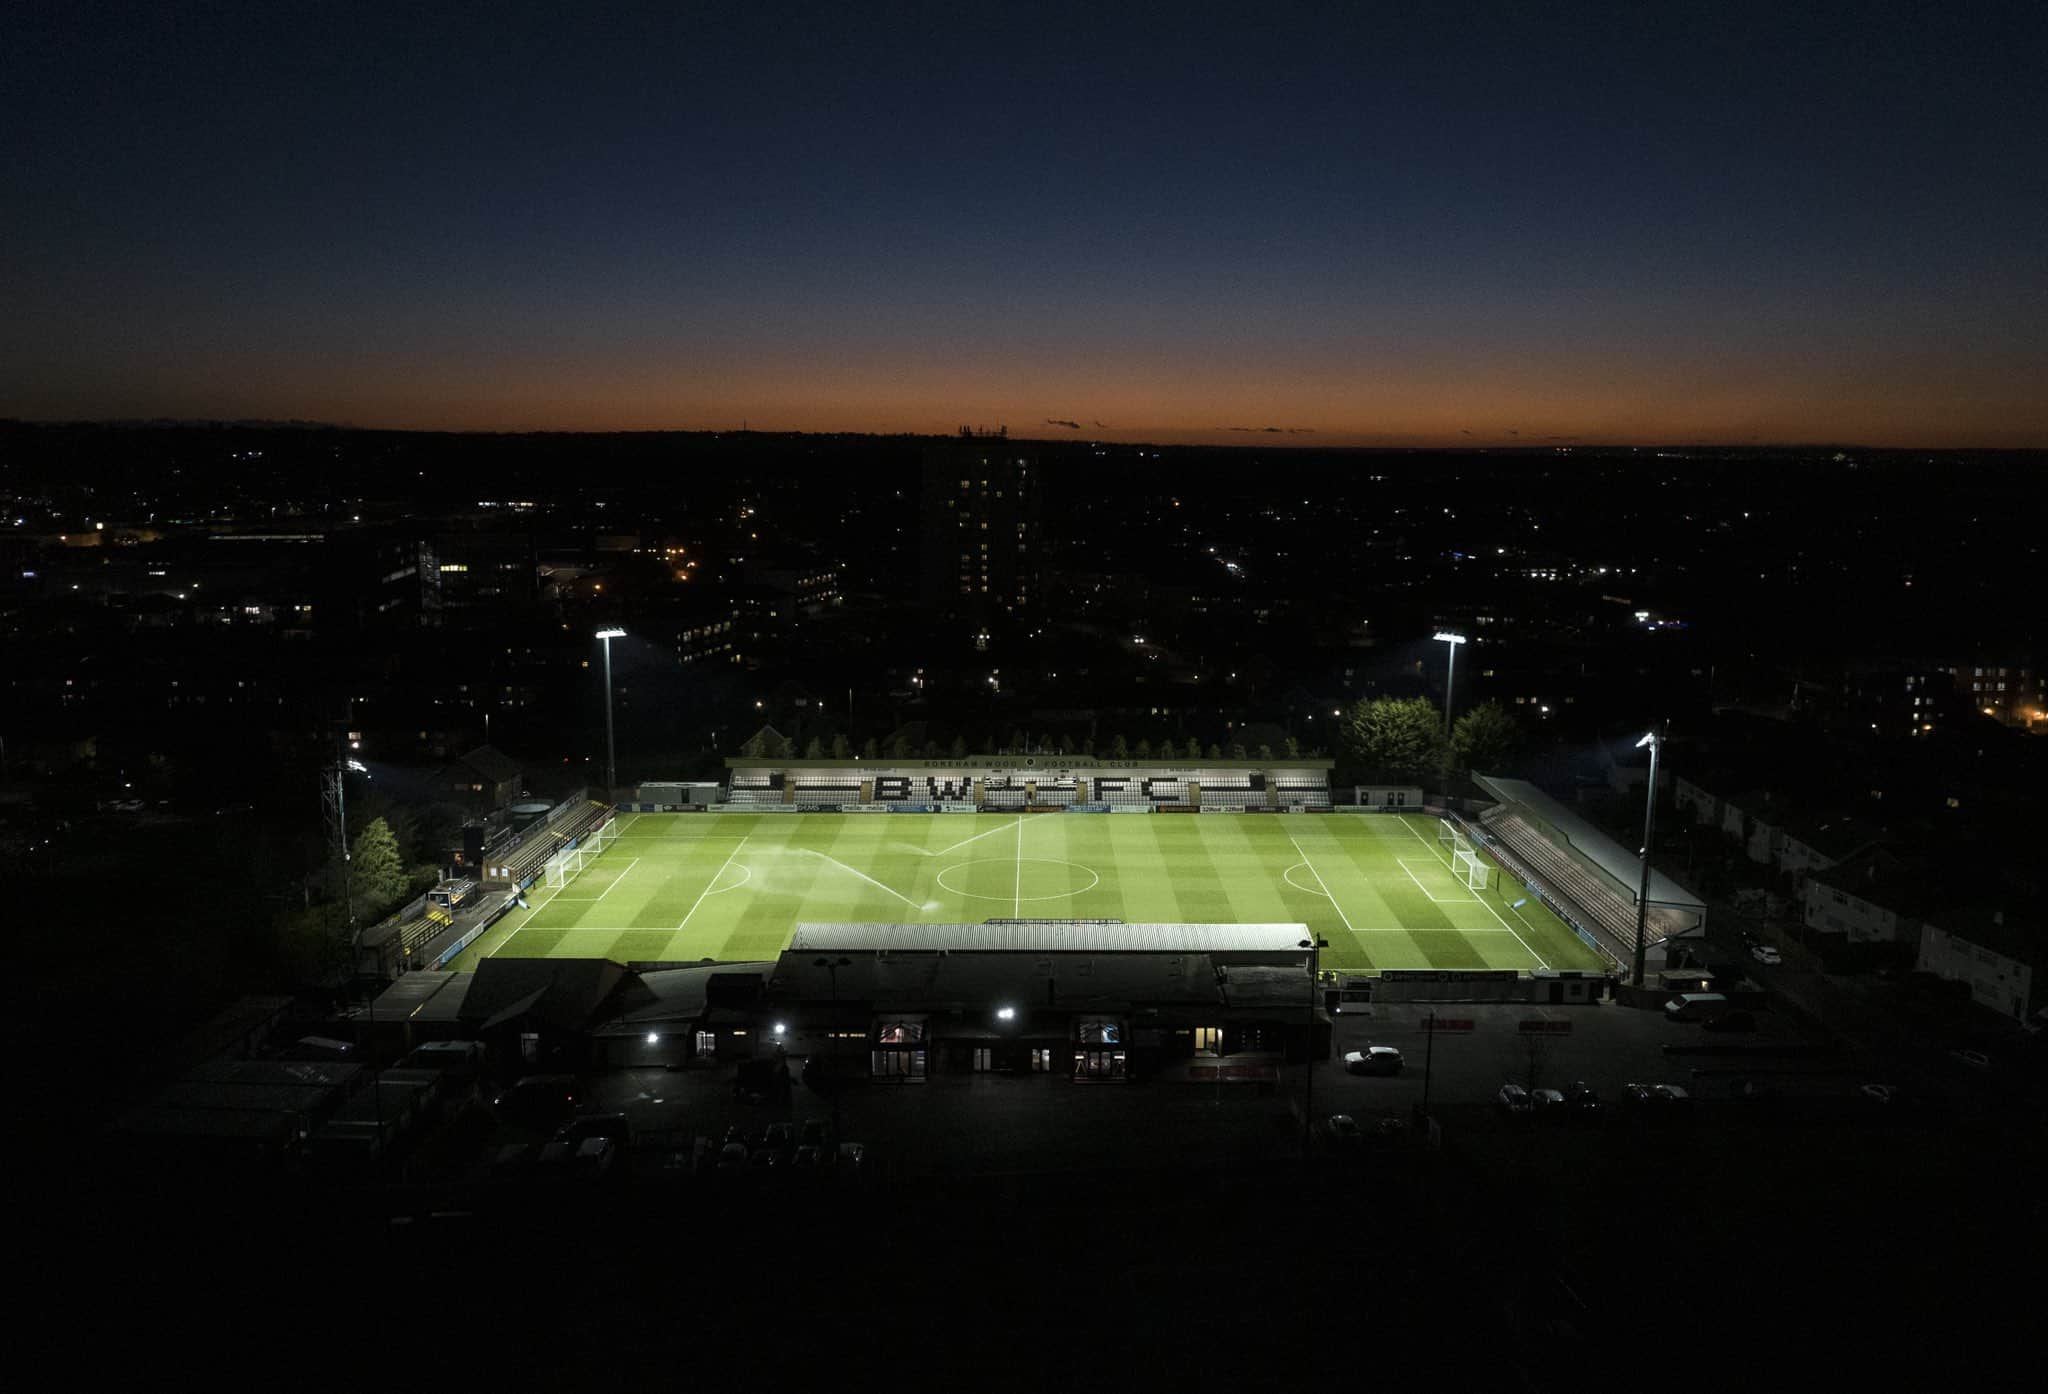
1620,865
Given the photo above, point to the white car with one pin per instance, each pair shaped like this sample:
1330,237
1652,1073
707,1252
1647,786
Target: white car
1373,1060
1879,1093
1765,953
1514,1100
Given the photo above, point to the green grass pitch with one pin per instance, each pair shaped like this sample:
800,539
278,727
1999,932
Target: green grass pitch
734,886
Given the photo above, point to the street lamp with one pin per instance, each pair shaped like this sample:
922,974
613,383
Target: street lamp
611,773
1444,636
1315,943
1654,740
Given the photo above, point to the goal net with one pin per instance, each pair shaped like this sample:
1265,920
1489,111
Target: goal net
1474,873
567,864
1449,834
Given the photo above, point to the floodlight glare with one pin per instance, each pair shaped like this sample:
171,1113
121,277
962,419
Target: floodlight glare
1006,1013
358,767
654,1038
780,1027
1445,636
611,633
1650,739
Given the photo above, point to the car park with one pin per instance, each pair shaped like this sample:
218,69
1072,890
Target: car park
1514,1101
538,1102
1582,1099
1342,1132
1373,1060
1547,1103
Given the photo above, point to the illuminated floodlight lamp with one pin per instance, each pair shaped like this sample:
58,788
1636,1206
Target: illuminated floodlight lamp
1445,636
1649,739
654,1038
358,767
781,1028
1006,1013
611,633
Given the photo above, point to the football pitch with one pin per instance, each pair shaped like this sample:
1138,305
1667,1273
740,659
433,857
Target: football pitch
680,887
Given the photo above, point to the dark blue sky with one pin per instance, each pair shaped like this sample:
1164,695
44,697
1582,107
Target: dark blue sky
1377,223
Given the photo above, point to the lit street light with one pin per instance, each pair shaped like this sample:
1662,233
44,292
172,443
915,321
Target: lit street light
1654,740
611,774
1444,636
1315,943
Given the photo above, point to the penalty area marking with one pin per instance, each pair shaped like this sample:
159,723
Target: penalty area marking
1489,909
1319,881
1439,899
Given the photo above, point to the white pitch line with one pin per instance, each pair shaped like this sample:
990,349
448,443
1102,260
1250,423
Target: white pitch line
616,879
1321,882
991,832
709,884
1017,898
1439,899
1489,909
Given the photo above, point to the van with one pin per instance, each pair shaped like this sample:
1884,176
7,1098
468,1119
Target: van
1695,1006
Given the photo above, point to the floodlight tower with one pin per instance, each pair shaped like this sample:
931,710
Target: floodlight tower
334,811
1654,740
611,774
1445,636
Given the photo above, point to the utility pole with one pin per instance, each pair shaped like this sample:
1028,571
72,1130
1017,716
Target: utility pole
1654,740
1315,944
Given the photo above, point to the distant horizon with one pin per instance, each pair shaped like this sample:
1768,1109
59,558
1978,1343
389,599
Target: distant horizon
1219,438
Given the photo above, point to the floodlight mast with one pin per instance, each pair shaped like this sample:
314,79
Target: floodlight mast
1655,741
1445,636
611,777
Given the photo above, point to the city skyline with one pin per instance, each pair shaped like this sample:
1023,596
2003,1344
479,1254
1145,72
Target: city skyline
1463,226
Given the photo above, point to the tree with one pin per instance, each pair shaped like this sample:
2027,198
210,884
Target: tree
899,746
1215,751
959,751
814,749
1237,750
1485,737
1144,748
870,749
1066,745
1396,737
376,872
841,748
1088,747
1118,750
1265,752
1290,749
777,746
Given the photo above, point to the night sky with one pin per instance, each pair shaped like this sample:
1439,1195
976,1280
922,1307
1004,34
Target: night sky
1432,224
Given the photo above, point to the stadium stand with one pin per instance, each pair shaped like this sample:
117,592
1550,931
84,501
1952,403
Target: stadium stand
1610,918
825,791
755,789
1307,791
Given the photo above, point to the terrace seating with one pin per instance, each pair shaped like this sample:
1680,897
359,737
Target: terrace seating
1606,914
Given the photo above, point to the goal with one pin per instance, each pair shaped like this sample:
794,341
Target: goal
1474,873
1449,834
567,864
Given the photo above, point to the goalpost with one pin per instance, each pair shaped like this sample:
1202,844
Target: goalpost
567,864
1474,873
1449,834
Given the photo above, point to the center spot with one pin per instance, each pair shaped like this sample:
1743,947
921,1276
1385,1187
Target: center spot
1008,879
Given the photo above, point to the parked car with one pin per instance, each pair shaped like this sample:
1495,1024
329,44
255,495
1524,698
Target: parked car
1583,1099
732,1157
1373,1060
594,1156
1548,1103
812,1133
852,1156
1879,1093
1514,1101
1342,1132
615,1127
808,1157
1973,1059
1730,1021
1767,954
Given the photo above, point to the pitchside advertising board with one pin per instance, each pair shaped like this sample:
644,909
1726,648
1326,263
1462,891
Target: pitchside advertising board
1449,975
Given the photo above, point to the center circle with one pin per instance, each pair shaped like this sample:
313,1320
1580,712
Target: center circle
1008,879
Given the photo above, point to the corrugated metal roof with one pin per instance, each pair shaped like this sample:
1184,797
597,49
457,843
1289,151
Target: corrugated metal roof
1049,936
